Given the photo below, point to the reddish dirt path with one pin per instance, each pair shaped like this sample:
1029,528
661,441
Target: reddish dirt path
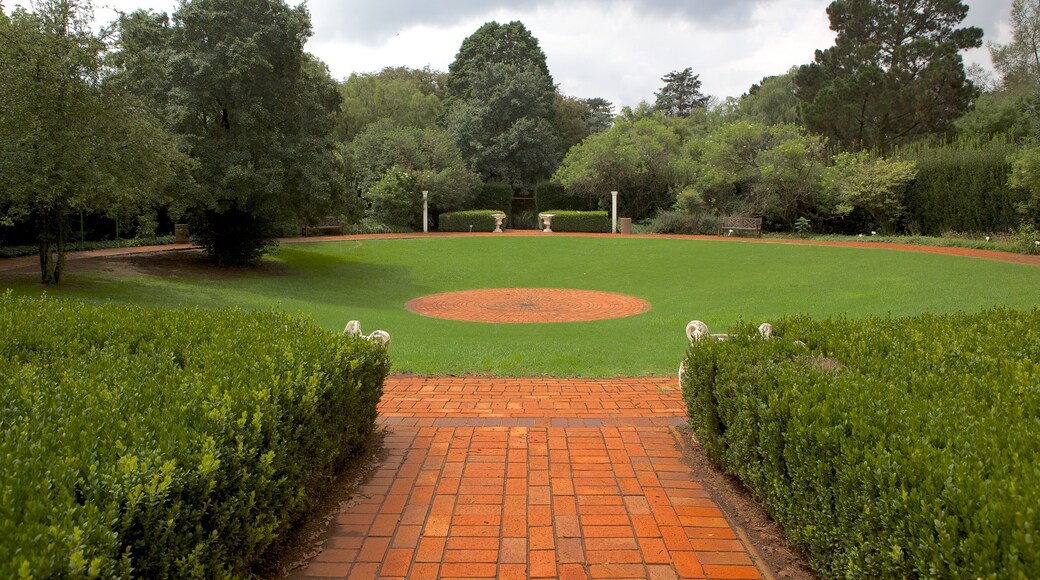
26,262
532,478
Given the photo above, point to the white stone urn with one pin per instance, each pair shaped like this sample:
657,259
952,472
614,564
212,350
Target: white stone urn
499,218
547,221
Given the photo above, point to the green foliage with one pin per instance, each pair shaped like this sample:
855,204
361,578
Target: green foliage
550,194
474,220
15,251
634,157
684,222
256,112
1025,176
872,184
962,186
886,448
168,443
681,94
1007,114
497,44
773,171
894,74
772,102
429,154
71,139
504,129
395,200
494,194
580,221
368,98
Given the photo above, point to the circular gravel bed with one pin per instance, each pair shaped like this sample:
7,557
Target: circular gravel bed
527,305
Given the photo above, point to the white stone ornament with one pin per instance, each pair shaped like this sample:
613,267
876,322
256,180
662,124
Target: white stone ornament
696,330
765,330
353,328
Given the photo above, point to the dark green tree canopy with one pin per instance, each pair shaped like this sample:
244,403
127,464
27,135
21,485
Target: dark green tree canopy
256,112
894,74
72,138
681,94
493,43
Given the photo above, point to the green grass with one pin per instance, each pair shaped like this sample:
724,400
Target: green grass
718,282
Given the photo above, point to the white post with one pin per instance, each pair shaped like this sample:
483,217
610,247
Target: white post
613,219
425,212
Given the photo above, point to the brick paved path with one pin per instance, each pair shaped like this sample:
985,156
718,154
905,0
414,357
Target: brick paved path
532,478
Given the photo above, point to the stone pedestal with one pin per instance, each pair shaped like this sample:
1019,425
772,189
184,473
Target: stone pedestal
626,225
180,234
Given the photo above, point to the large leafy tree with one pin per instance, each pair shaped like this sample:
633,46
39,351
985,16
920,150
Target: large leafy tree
71,139
772,101
504,129
681,94
257,111
493,43
895,72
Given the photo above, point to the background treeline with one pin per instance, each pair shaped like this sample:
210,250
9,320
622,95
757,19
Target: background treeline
215,115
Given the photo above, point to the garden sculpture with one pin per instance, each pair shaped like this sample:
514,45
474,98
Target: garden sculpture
353,328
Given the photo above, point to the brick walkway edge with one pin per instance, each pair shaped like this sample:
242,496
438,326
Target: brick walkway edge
532,478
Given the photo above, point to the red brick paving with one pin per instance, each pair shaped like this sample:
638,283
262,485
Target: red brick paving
527,305
532,478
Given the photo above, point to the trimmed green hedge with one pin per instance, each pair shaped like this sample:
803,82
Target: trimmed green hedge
580,221
479,220
886,448
168,443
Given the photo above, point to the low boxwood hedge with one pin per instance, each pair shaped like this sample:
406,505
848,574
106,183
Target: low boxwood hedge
167,443
886,448
580,221
474,220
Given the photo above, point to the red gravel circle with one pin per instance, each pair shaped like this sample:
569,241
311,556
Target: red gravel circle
527,305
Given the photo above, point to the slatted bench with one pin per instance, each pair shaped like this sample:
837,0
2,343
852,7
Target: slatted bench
741,223
329,226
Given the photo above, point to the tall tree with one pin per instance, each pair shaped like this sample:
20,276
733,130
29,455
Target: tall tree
504,128
70,139
258,113
500,106
1018,61
895,72
681,94
601,114
773,101
493,43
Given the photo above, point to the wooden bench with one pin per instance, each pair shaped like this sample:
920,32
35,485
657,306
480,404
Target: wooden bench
741,223
329,226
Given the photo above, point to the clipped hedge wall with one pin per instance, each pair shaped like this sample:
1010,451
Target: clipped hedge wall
580,221
549,194
167,443
886,448
460,221
962,187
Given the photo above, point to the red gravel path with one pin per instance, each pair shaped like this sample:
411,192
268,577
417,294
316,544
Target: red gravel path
532,478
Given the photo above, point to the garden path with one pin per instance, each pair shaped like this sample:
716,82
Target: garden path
532,478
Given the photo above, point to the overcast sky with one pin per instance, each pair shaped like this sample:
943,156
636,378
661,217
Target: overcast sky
615,49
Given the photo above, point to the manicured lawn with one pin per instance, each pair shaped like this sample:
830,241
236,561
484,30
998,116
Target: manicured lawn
717,282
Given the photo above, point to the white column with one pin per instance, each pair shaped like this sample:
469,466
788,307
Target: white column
426,212
613,218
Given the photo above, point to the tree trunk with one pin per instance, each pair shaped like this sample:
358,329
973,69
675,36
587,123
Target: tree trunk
52,247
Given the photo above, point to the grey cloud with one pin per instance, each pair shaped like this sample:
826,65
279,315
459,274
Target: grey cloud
987,15
367,21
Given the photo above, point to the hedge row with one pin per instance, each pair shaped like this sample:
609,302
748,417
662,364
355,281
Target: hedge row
886,448
161,443
580,221
962,187
474,220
